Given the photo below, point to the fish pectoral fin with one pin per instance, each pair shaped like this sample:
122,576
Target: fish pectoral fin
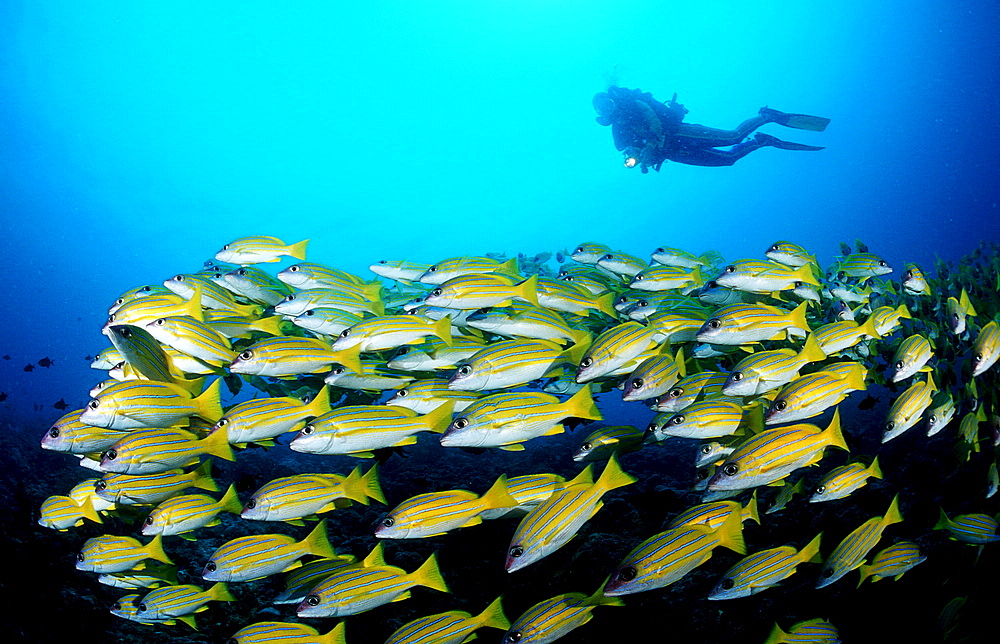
476,520
188,536
516,447
556,429
298,522
405,595
409,440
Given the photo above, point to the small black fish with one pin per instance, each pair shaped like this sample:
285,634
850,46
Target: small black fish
6,357
3,396
30,367
868,402
61,405
845,248
89,358
46,362
861,246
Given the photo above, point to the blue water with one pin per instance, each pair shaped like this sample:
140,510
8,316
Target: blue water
138,138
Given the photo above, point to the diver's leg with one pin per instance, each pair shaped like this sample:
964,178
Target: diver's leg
718,158
711,137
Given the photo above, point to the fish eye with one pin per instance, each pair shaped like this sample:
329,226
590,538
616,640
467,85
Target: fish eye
382,261
513,636
637,383
101,485
178,278
111,454
889,425
586,447
730,469
54,432
290,298
676,392
120,300
160,322
233,641
222,422
242,272
932,419
308,429
312,600
711,284
211,567
621,300
80,557
772,248
246,355
821,489
402,393
460,423
798,284
345,333
899,364
310,313
465,370
978,357
909,274
586,362
627,573
569,278
954,316
828,572
729,269
251,504
608,256
881,262
642,304
780,405
125,332
337,371
714,323
388,522
432,269
149,520
736,376
293,269
142,607
116,606
652,427
706,449
727,584
436,292
226,247
516,551
111,318
677,420
402,351
638,277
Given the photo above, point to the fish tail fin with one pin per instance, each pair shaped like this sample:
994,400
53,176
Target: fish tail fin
187,619
893,515
797,318
870,329
298,251
904,312
220,593
599,599
866,572
428,574
574,353
805,274
438,419
698,276
679,363
875,471
581,337
586,476
442,329
270,325
378,306
371,486
509,268
834,434
856,378
750,511
193,306
581,405
375,558
317,543
493,617
498,496
943,522
810,552
217,444
88,511
528,290
230,501
777,636
966,304
730,533
335,636
202,478
154,550
606,304
353,488
811,350
613,476
209,404
320,404
350,358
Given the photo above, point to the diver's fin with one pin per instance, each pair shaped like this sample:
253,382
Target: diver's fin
775,142
797,121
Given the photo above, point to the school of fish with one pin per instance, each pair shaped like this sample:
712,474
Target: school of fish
475,352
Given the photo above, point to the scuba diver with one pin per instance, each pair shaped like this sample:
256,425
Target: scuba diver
649,132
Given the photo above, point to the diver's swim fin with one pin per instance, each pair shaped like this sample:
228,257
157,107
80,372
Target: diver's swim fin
797,121
773,141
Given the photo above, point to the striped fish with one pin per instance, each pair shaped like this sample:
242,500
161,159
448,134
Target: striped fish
528,490
663,278
565,297
712,452
287,633
841,481
941,412
63,512
434,355
886,318
755,276
370,376
986,350
356,590
590,252
863,266
851,552
764,569
506,419
654,376
137,292
297,304
109,553
467,292
310,275
256,285
257,556
761,372
958,310
784,495
146,309
194,338
391,331
910,357
812,631
552,618
789,254
512,363
525,321
149,577
701,385
127,489
892,561
706,419
326,321
143,403
622,264
746,323
775,453
85,491
614,348
811,395
666,557
291,356
189,512
144,354
107,359
422,396
179,602
907,409
435,513
300,581
213,295
263,419
359,429
446,269
151,451
549,525
715,514
293,498
126,608
399,270
977,529
453,627
602,443
914,282
674,327
70,435
258,249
